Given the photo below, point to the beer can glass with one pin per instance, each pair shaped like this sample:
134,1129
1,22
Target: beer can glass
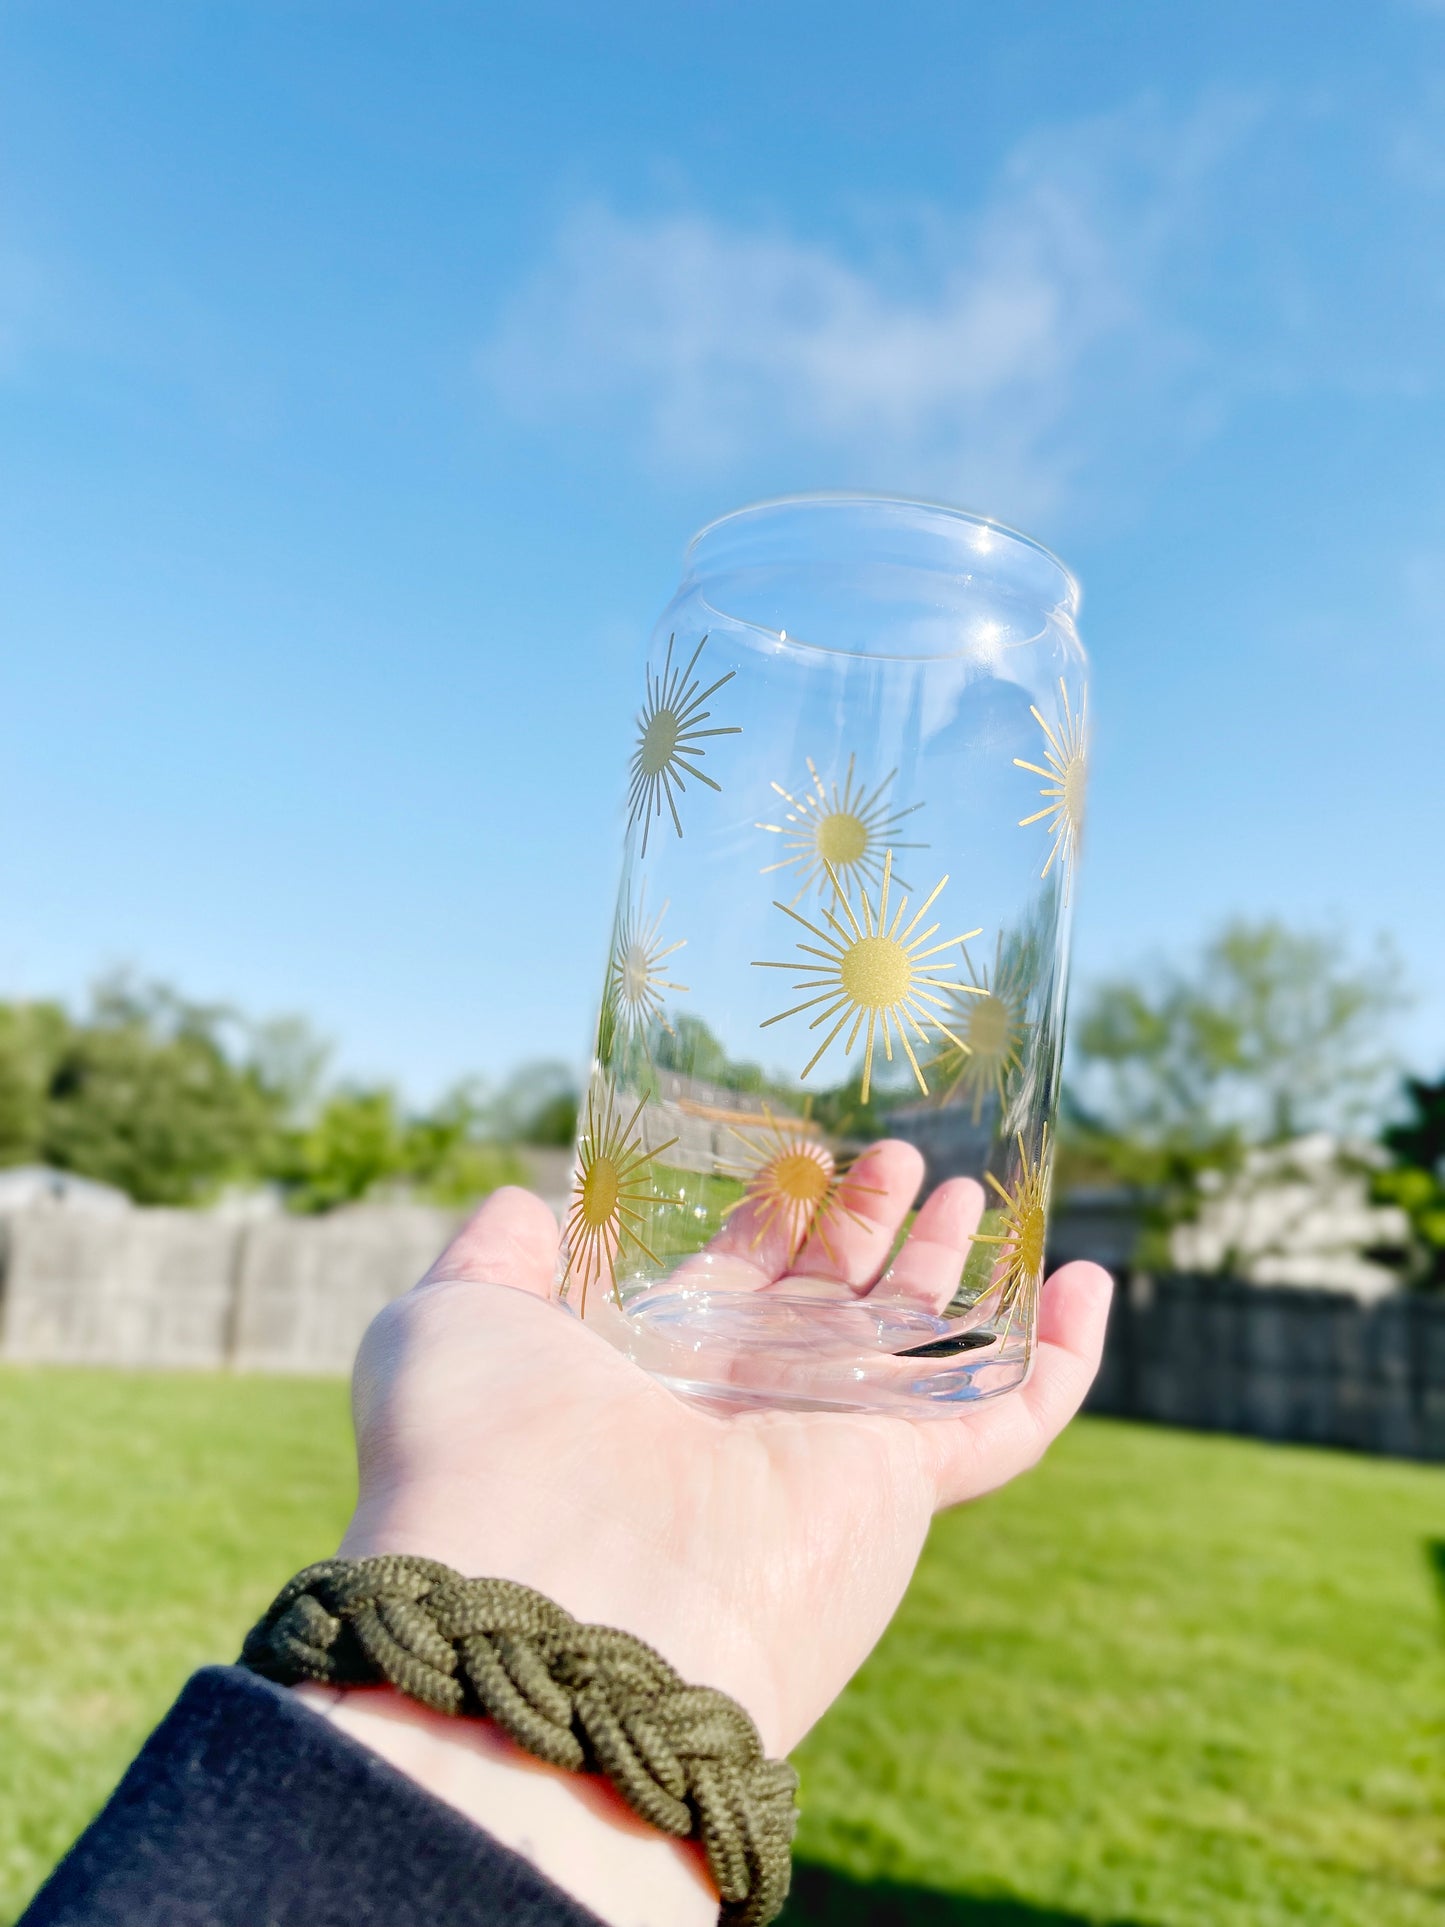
814,1148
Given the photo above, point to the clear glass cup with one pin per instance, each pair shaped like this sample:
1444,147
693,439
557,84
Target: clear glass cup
855,799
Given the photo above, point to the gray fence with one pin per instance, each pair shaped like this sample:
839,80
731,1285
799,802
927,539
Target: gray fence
181,1288
1278,1363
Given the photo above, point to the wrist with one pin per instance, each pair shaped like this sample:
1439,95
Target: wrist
645,1588
573,1827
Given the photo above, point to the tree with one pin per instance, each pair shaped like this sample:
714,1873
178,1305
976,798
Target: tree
353,1144
537,1105
172,1101
1415,1180
144,1094
33,1039
1268,1034
453,1154
362,1143
693,1049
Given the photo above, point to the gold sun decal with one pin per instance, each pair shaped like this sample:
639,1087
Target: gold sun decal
1065,780
631,1000
1018,1271
668,741
873,973
792,1179
842,825
988,1016
613,1177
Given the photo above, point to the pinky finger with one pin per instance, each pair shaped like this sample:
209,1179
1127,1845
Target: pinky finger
998,1440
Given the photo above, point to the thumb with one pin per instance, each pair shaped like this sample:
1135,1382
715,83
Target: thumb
511,1239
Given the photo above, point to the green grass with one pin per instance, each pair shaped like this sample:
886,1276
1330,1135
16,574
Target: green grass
1167,1681
144,1521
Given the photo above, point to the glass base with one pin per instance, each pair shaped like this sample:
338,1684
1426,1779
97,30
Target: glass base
739,1349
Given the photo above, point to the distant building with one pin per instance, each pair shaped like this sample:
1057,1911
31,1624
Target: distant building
26,1186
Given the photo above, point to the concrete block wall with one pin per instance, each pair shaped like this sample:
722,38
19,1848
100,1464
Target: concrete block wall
184,1288
307,1291
143,1288
187,1289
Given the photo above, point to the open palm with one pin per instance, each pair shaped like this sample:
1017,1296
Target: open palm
762,1553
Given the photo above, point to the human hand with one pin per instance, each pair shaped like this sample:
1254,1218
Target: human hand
762,1553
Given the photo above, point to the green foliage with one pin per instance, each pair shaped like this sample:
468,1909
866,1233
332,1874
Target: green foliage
695,1051
33,1038
361,1143
1415,1180
1133,1687
353,1145
691,1048
144,1094
555,1124
537,1104
173,1101
1267,1034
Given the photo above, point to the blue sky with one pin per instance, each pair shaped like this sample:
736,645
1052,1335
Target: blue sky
364,369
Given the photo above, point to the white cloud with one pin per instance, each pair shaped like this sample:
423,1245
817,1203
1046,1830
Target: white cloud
997,357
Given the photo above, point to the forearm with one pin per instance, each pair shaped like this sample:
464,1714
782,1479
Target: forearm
574,1828
244,1806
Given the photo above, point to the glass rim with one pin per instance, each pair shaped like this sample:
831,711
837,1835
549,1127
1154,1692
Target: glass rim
863,498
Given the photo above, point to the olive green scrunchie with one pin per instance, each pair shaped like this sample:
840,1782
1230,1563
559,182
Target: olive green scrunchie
687,1758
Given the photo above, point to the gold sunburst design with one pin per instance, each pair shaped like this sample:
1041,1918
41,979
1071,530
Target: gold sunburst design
613,1177
842,825
1018,1271
872,972
1065,781
792,1178
989,1018
669,739
631,999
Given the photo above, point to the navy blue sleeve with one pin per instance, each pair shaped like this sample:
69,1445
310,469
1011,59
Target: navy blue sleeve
246,1809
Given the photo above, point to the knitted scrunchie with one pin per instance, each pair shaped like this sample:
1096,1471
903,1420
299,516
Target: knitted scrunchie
687,1758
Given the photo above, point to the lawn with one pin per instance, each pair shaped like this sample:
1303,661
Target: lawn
1167,1681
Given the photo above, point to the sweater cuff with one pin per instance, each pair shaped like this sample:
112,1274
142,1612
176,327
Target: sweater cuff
245,1807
